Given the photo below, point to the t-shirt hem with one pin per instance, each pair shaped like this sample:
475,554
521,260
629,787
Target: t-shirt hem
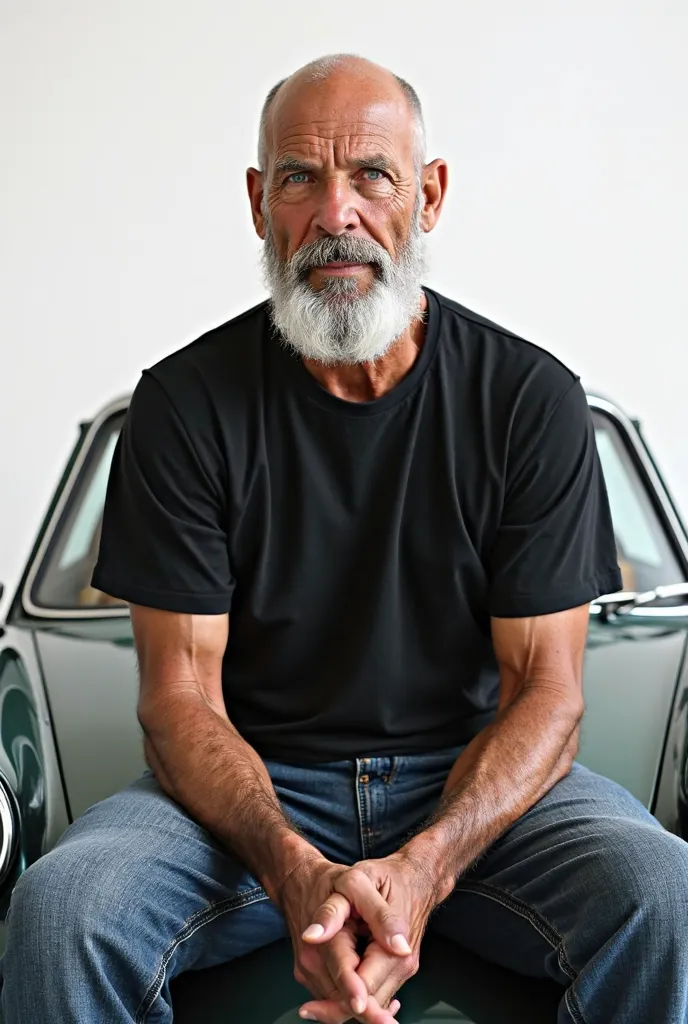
311,749
165,600
548,602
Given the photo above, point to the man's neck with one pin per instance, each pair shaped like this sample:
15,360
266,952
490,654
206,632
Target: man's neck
364,382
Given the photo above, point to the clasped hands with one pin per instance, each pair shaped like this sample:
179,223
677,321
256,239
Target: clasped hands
332,909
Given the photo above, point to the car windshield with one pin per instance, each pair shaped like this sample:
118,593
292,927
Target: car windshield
646,556
64,578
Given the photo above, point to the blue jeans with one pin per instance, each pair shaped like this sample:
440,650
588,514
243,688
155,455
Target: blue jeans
585,888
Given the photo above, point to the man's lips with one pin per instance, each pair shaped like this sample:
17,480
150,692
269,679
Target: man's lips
341,267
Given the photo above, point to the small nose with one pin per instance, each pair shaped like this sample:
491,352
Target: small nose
335,213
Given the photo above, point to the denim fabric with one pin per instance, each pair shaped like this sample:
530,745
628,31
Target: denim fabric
585,888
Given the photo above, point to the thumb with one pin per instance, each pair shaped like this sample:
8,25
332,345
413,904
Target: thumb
388,927
328,919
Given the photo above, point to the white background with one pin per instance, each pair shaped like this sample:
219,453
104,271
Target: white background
127,125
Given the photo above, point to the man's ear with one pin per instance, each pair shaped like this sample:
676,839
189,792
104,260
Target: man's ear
255,185
434,180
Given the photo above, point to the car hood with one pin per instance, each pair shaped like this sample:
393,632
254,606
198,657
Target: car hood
630,678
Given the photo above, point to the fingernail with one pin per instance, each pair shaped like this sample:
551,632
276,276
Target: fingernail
314,931
358,1005
307,1015
400,945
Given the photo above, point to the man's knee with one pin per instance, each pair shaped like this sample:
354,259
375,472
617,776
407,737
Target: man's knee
76,913
69,894
648,868
665,879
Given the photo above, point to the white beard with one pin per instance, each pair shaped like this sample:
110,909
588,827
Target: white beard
337,324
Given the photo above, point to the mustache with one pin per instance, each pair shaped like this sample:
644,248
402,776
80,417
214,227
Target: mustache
345,249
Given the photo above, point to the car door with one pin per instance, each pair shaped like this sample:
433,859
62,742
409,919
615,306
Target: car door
634,659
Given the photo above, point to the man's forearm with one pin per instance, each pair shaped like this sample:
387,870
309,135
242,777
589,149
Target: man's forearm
203,763
506,769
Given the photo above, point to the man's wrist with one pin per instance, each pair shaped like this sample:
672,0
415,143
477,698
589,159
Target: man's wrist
288,852
429,855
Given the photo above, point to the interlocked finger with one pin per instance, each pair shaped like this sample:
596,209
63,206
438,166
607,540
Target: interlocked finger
332,1012
328,919
384,974
384,922
342,963
329,971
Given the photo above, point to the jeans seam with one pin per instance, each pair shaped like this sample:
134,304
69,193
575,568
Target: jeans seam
571,1001
362,817
394,770
191,926
534,917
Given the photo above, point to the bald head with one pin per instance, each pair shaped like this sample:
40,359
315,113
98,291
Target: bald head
345,72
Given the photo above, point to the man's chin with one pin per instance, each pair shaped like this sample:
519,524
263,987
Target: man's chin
334,299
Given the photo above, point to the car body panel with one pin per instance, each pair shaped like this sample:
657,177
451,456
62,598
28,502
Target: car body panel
630,678
93,685
629,682
671,803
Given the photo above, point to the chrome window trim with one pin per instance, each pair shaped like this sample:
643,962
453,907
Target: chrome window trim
38,611
678,611
120,405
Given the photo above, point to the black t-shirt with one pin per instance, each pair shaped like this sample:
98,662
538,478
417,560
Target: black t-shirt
361,548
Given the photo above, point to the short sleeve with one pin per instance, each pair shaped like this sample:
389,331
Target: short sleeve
555,546
164,541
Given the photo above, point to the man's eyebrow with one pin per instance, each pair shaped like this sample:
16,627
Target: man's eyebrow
292,165
376,162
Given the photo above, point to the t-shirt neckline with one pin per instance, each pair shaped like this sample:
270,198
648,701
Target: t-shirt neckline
312,389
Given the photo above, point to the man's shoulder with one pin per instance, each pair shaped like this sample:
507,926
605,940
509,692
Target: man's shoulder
227,347
230,340
214,376
511,356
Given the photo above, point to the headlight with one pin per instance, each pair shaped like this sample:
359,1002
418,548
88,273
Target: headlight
8,830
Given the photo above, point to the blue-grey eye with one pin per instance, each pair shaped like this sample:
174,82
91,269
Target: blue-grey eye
373,170
300,175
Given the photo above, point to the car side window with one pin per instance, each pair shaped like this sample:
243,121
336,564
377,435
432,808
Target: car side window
645,555
63,582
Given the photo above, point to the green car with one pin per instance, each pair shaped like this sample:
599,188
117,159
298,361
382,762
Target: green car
70,737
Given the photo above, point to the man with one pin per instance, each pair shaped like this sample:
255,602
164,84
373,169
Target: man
359,529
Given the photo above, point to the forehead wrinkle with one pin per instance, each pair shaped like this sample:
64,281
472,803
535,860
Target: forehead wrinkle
381,121
347,139
330,127
353,144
